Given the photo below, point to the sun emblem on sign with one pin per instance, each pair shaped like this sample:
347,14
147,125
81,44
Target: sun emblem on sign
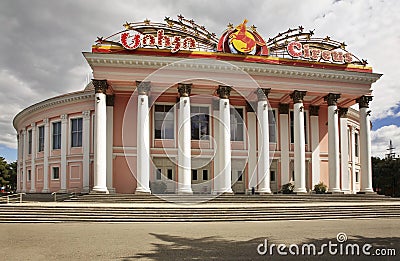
243,40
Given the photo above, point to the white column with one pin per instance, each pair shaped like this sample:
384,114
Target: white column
100,161
365,145
252,163
353,160
284,142
110,139
263,152
86,151
184,139
64,136
19,140
24,153
222,181
333,143
46,156
315,156
344,151
33,157
143,140
299,143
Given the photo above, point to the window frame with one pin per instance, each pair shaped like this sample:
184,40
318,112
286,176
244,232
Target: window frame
79,145
53,173
209,121
41,139
243,122
29,141
154,120
58,135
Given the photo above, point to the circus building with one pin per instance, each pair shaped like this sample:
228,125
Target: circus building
174,108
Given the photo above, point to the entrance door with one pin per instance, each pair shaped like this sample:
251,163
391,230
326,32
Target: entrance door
201,179
165,173
238,176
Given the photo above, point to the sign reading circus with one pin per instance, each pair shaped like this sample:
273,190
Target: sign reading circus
185,35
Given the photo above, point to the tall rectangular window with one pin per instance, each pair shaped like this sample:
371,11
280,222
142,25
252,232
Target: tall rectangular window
272,175
199,122
29,175
163,122
237,124
56,135
55,173
292,127
205,174
356,144
41,138
194,174
30,142
272,126
76,132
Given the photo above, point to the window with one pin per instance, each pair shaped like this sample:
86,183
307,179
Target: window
272,175
164,122
30,142
29,175
76,132
194,174
356,144
56,135
292,127
169,174
237,124
55,173
158,174
199,122
240,175
41,138
205,174
357,176
272,126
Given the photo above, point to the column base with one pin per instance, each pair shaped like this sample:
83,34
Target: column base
142,193
85,190
45,191
32,191
265,193
300,191
62,191
346,191
223,192
185,192
111,190
102,190
335,191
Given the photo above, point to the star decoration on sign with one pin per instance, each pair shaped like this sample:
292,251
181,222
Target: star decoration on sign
253,28
327,38
311,32
230,26
301,28
147,21
127,25
180,17
364,62
343,45
99,40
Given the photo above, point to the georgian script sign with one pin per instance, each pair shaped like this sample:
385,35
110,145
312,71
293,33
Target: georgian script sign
132,40
298,50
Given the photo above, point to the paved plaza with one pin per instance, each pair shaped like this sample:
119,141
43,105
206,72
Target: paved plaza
188,241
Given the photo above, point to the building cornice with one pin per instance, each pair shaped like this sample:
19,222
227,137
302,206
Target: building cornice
50,103
212,65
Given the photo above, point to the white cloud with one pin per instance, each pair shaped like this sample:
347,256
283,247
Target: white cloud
381,137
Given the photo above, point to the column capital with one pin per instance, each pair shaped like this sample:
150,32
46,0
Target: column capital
110,100
64,118
86,115
143,87
262,93
363,101
46,121
100,86
184,89
314,110
224,91
343,112
297,96
283,108
332,98
33,124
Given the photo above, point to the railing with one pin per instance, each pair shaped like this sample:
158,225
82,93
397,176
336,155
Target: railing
13,197
70,193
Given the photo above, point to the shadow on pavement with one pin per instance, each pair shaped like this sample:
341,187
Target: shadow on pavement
216,248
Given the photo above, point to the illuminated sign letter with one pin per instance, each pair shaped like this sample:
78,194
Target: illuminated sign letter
294,49
163,40
348,57
176,44
135,42
189,43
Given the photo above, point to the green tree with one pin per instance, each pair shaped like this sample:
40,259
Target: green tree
386,176
8,175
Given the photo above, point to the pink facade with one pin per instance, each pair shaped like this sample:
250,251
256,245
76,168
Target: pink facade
60,147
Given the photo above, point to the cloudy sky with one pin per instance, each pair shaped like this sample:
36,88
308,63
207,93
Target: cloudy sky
42,44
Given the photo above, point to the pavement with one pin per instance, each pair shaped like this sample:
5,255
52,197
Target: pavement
193,241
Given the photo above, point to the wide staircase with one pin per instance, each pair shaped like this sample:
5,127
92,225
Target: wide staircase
200,208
